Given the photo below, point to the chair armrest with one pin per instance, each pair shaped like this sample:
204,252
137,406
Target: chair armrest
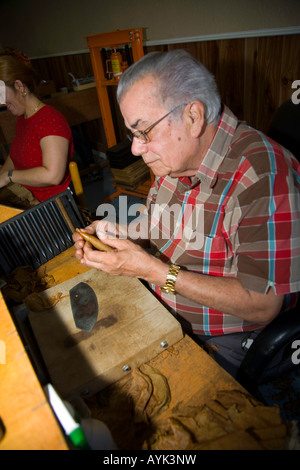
281,332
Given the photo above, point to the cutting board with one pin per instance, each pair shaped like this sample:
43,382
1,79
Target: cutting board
131,328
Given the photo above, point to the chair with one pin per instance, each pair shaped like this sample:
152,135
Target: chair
285,127
276,338
77,184
279,335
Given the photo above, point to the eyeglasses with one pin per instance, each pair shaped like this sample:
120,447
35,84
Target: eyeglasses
142,136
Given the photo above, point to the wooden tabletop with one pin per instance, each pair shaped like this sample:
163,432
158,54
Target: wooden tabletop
24,410
205,407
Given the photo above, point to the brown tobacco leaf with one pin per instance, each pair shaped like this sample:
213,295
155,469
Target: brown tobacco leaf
24,281
234,420
38,303
161,396
149,392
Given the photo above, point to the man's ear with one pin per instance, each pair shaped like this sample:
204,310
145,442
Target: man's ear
195,116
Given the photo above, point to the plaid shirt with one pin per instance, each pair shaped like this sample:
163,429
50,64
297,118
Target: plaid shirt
238,217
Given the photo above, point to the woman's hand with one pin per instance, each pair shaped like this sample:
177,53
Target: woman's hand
4,180
7,165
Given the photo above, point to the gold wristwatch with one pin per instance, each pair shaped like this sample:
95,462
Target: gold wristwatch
169,287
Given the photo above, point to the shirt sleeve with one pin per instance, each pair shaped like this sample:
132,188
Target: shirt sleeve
268,235
54,124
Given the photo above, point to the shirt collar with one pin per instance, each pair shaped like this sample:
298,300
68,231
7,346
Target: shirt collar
208,170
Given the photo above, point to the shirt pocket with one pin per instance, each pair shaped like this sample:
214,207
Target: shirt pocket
217,258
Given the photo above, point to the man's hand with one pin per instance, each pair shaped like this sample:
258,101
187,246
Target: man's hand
126,259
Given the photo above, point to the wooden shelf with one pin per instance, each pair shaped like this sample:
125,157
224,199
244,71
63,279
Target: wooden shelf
113,40
112,82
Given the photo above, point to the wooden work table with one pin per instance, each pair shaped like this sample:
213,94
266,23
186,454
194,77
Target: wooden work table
24,409
201,392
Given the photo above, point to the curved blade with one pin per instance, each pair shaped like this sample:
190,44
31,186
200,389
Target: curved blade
84,306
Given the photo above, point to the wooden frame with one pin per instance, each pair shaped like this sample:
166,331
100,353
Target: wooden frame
113,40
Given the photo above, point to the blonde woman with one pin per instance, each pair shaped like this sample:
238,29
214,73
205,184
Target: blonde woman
43,145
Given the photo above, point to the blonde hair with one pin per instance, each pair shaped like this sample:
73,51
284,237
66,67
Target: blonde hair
16,66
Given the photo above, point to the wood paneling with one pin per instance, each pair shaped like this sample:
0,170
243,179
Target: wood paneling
254,75
58,68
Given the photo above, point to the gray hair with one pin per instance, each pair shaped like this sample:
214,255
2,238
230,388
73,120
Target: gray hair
181,79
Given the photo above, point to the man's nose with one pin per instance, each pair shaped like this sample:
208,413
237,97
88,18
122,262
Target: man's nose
137,148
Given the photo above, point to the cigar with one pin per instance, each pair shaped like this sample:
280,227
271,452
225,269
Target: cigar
98,244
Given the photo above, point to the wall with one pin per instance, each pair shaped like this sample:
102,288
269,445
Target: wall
254,75
60,26
235,39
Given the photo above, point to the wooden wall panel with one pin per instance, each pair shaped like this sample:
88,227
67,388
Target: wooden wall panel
272,64
229,73
225,60
58,68
290,65
254,75
263,80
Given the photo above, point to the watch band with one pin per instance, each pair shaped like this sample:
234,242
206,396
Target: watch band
9,174
169,287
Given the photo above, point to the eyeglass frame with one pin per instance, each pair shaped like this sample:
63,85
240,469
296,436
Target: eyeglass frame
144,134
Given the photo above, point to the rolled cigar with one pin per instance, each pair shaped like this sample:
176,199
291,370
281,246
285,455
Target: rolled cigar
98,244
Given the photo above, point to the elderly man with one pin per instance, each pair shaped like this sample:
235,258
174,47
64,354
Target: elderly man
226,261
